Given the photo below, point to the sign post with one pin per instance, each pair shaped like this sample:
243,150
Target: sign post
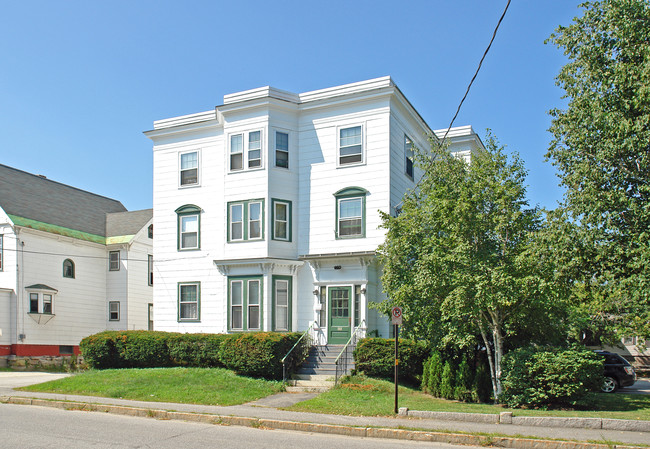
396,314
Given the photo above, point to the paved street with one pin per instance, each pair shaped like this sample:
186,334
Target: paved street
36,427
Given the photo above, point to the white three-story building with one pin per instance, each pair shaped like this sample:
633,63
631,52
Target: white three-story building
266,208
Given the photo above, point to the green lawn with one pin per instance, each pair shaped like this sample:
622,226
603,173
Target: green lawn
208,386
372,397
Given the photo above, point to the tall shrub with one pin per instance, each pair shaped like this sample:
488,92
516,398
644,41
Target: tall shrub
447,381
482,385
463,384
435,374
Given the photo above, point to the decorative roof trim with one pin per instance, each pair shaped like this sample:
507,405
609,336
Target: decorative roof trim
41,287
351,191
188,209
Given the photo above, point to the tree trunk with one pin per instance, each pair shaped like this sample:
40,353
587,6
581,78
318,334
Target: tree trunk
493,372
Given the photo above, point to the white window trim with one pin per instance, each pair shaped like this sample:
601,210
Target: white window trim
110,262
198,169
245,156
249,221
110,312
275,148
338,145
40,298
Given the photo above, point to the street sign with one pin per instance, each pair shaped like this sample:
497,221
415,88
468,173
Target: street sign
396,313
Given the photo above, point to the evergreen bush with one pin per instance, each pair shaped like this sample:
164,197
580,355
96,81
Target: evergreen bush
550,377
447,381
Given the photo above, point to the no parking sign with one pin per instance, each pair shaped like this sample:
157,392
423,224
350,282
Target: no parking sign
396,313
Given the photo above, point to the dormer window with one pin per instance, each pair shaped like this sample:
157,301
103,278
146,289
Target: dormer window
68,269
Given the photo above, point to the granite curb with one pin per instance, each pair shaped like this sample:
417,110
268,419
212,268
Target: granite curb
364,432
541,421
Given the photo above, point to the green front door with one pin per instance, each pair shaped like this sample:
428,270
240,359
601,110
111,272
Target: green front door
340,316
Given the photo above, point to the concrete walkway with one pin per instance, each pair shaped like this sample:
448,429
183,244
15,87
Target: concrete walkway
266,409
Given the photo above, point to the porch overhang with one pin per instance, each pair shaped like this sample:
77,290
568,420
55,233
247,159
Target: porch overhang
266,264
352,254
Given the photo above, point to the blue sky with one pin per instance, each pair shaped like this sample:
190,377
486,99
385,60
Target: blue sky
81,80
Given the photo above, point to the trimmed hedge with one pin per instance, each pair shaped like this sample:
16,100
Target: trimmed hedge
196,350
375,357
254,354
259,354
543,377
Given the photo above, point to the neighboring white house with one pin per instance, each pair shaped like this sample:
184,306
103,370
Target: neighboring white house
266,209
72,263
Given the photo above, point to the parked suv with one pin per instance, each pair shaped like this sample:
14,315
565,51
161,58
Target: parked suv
618,372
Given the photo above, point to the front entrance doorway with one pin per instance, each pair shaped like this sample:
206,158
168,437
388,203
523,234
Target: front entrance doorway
340,321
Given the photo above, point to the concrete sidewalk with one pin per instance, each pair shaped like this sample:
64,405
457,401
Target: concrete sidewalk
265,414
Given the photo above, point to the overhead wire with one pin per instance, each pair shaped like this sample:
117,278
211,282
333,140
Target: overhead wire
469,86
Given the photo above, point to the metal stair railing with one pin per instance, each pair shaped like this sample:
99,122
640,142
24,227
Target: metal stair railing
346,353
301,354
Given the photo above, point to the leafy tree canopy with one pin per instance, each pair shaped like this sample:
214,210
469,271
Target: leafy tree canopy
457,258
601,148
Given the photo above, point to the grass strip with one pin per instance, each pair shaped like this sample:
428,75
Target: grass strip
206,386
363,396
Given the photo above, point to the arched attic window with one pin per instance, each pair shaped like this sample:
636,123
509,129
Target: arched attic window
150,231
68,269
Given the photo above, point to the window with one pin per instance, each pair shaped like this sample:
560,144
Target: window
1,260
41,299
246,220
114,261
68,269
150,317
357,305
113,311
189,295
322,301
350,212
282,303
281,218
408,155
150,231
189,227
189,171
236,152
33,303
245,303
281,149
255,149
350,145
150,269
253,140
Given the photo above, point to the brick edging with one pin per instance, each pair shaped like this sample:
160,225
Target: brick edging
367,432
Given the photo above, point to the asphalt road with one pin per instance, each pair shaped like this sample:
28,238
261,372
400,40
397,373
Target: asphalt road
40,427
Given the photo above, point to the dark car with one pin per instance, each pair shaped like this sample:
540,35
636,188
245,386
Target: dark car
618,372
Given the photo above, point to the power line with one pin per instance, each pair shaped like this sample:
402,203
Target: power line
469,86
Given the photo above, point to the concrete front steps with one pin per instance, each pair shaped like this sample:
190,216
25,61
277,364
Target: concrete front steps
318,371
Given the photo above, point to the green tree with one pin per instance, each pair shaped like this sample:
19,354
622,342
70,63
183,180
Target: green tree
457,258
601,148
